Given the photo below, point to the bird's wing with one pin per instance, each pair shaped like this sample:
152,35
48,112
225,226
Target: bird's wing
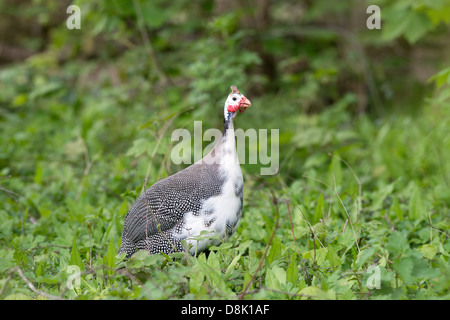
164,204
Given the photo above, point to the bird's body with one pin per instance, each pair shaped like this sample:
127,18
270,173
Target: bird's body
201,204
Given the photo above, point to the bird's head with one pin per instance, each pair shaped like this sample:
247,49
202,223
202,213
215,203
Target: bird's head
235,101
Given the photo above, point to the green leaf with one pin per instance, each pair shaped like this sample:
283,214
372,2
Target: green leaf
20,100
405,22
379,196
214,277
332,257
275,278
38,173
292,270
428,251
111,257
320,208
364,255
197,277
317,293
318,255
213,261
44,89
422,269
244,246
441,78
18,296
335,172
417,209
275,250
397,209
75,258
418,26
397,243
404,267
140,146
153,15
231,266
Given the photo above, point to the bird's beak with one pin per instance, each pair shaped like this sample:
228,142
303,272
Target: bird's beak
244,103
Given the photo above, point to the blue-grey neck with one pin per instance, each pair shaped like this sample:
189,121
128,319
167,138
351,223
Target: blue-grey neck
227,122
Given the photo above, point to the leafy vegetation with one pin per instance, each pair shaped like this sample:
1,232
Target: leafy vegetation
358,210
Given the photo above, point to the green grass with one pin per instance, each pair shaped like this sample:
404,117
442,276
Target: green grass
356,199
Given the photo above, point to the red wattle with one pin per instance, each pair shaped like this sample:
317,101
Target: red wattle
232,108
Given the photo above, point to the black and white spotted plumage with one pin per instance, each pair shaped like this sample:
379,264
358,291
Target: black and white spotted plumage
206,196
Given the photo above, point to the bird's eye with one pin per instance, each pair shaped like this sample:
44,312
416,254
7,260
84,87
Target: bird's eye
234,98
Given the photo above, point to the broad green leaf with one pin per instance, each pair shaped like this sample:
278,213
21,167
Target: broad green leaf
404,267
441,78
292,270
317,293
318,255
111,257
335,172
44,89
141,146
320,209
18,296
275,250
310,291
364,255
213,261
397,210
75,258
397,243
214,276
422,269
418,26
332,257
379,196
153,15
231,266
405,22
196,280
244,246
38,173
275,278
417,209
428,251
20,100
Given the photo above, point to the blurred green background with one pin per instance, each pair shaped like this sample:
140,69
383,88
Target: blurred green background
86,118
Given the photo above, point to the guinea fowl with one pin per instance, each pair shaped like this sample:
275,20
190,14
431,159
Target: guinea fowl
206,196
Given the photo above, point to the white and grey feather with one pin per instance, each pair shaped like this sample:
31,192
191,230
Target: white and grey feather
206,196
